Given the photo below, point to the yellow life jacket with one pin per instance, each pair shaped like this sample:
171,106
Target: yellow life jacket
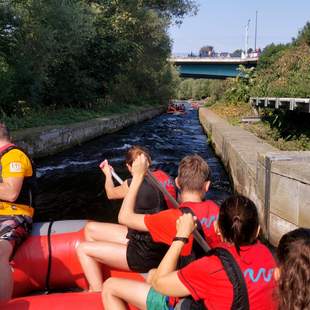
13,166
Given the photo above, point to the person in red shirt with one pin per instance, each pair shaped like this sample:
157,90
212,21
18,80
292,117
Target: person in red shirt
293,273
205,279
193,180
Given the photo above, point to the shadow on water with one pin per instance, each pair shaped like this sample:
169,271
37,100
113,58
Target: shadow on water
71,184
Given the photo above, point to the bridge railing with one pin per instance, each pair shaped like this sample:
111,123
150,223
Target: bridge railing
292,104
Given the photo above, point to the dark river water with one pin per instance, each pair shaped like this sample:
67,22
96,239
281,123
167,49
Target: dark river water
71,186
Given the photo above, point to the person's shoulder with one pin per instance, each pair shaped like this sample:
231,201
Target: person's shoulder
210,264
15,154
166,216
262,248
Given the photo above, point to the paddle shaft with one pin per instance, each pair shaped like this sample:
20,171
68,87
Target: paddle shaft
197,236
116,177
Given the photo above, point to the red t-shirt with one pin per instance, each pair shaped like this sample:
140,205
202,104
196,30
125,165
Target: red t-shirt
206,278
162,225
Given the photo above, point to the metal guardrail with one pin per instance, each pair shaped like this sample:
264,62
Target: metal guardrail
213,60
292,104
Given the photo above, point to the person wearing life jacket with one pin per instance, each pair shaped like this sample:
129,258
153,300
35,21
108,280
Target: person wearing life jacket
116,245
193,180
16,205
206,279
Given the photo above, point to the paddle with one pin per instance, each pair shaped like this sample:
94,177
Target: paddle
197,236
114,174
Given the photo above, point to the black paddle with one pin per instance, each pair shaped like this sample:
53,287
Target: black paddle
197,236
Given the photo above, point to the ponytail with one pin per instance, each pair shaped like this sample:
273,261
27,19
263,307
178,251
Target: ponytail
238,221
236,229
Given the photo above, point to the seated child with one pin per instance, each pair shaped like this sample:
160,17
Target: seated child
193,180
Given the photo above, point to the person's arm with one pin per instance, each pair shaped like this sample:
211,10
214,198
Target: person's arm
165,279
127,215
10,188
112,191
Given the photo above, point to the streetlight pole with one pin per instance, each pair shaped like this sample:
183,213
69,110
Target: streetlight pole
255,32
247,38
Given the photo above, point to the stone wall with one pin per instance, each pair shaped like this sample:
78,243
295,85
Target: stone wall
48,140
278,182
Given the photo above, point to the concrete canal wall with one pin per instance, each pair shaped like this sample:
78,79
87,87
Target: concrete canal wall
44,141
278,182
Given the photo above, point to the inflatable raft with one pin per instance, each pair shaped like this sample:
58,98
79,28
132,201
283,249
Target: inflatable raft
47,262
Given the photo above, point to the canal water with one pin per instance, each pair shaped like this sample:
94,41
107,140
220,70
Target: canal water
71,185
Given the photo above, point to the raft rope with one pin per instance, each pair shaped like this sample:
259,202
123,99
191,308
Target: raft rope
49,263
197,236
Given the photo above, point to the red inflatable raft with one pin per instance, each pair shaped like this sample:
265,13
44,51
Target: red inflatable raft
47,260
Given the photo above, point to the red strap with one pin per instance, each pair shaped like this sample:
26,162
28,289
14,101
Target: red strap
4,147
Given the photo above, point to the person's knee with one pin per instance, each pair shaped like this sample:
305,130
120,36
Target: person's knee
109,286
90,227
80,249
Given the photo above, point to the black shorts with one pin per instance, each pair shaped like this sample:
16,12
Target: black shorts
143,253
15,229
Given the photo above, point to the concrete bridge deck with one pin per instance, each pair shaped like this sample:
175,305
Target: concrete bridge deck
211,67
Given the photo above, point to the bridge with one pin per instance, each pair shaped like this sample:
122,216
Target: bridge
211,67
292,104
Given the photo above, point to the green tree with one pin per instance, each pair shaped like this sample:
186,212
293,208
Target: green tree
77,53
236,53
241,86
270,54
304,35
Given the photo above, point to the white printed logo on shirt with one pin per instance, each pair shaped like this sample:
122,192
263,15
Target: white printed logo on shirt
15,167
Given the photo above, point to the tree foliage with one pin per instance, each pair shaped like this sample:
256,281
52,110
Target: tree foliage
304,35
236,53
270,54
80,52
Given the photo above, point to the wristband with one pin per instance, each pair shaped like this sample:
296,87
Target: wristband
183,239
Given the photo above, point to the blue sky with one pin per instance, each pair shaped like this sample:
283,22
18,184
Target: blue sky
221,23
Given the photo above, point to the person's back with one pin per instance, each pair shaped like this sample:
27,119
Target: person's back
211,283
207,279
193,181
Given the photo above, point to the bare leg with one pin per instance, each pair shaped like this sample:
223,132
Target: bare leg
96,231
108,253
117,292
6,279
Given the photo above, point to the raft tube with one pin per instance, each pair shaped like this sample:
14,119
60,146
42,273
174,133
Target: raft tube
46,262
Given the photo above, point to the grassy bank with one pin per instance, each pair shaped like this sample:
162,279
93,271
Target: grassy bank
63,116
233,113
